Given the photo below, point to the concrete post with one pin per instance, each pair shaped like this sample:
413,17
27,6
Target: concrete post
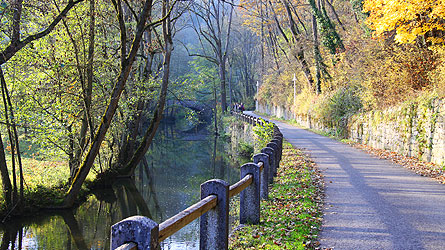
280,138
264,158
270,152
280,149
275,148
250,197
214,226
137,229
277,131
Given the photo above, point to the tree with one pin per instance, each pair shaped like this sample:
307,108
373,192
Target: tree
18,31
14,15
245,63
127,60
129,168
213,25
287,22
410,19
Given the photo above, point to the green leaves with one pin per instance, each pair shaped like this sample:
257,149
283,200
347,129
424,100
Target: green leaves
3,6
263,132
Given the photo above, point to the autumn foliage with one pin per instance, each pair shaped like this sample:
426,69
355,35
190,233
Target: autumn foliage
410,19
392,51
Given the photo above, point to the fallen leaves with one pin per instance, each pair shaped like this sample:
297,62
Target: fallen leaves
292,216
419,167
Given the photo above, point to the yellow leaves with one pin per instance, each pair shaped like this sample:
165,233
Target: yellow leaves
436,40
409,18
405,37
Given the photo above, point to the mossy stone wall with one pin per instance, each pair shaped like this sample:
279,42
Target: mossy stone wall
414,129
240,132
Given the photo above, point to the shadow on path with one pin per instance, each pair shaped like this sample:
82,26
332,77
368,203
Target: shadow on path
372,203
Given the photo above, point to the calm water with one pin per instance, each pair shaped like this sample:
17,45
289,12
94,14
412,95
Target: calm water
165,184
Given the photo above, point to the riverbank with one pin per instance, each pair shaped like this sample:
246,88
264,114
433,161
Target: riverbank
45,181
44,186
292,216
166,184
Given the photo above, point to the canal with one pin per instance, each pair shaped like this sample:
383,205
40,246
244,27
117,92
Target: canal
165,183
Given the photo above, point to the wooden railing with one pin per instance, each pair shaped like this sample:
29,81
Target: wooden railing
140,232
172,225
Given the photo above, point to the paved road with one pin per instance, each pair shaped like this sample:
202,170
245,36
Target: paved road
372,203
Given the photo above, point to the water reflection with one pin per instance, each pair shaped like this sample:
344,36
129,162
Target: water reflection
165,183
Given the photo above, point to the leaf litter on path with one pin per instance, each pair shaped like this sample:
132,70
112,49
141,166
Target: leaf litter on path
420,167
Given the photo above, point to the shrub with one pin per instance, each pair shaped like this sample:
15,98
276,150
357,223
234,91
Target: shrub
335,109
264,133
245,149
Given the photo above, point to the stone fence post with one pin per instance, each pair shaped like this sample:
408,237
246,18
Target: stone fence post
250,197
280,139
271,153
264,158
276,149
257,121
137,229
280,150
214,226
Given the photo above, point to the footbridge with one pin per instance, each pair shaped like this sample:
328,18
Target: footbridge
203,108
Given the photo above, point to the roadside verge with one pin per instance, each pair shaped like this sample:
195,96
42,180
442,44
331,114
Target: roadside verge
292,216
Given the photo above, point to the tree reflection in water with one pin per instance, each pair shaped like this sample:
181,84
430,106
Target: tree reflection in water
167,181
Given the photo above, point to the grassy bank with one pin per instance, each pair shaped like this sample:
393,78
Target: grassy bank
44,186
292,216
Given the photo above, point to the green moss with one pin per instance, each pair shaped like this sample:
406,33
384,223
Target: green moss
377,118
245,149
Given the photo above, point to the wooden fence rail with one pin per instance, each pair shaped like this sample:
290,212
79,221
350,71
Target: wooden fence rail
138,232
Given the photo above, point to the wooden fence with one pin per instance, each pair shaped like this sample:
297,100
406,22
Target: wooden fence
138,232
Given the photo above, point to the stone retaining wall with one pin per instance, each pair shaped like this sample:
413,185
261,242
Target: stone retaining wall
240,132
416,130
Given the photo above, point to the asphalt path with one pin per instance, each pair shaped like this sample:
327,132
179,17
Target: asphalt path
372,203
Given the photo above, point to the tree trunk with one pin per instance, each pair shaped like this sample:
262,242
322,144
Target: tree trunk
317,56
132,130
87,90
222,76
299,54
12,139
6,182
111,109
128,170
